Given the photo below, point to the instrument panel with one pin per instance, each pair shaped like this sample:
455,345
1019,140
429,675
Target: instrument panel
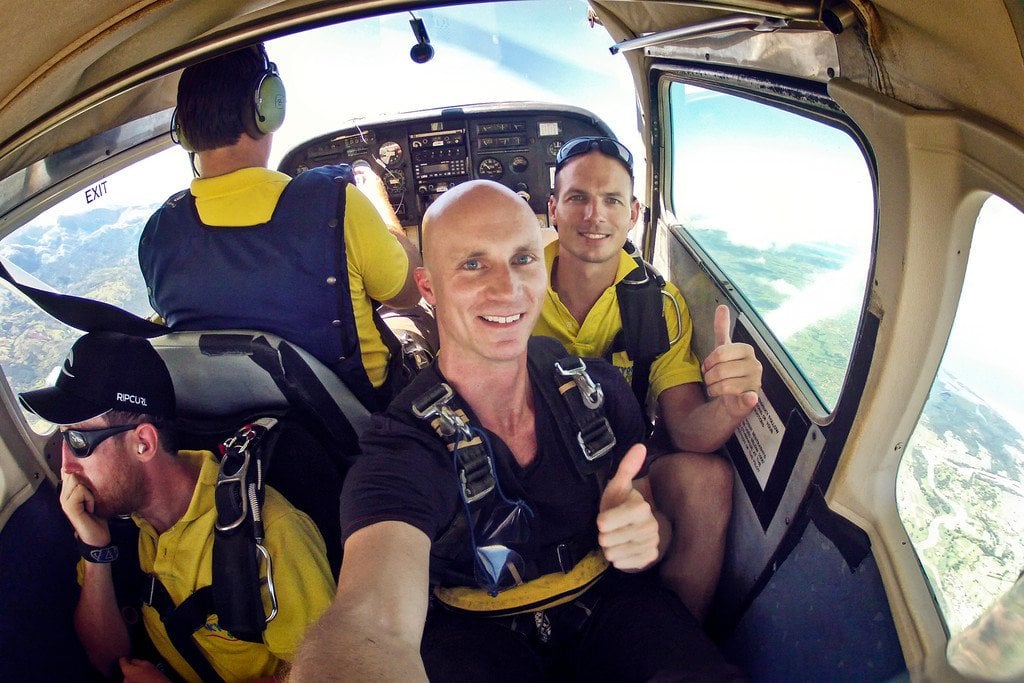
420,155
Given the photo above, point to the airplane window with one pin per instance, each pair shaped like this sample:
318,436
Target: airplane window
960,487
85,245
784,206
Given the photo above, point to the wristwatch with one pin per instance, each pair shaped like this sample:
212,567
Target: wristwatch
98,554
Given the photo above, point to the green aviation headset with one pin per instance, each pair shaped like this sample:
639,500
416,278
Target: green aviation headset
268,106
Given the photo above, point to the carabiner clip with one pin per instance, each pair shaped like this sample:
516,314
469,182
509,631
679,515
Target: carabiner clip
271,590
240,477
591,392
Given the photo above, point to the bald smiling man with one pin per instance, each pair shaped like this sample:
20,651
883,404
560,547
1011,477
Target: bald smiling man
538,577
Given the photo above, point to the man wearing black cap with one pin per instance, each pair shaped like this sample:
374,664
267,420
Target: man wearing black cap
114,402
593,208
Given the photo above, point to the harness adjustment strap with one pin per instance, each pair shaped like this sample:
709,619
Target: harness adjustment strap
476,470
565,385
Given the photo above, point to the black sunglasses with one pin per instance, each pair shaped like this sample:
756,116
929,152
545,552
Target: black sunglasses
82,442
584,145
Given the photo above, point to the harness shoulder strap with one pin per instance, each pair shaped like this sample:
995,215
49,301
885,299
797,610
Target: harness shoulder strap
238,550
644,333
442,408
129,582
397,377
570,394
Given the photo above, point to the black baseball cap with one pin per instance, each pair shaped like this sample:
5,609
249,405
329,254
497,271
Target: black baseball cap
105,371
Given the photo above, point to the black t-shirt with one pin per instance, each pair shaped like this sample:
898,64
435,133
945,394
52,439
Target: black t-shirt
406,473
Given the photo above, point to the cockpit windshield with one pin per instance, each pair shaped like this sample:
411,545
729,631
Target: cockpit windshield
484,52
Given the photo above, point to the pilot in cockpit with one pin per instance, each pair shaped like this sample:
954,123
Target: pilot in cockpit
246,247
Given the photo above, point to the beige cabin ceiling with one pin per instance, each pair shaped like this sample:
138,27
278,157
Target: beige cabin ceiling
71,57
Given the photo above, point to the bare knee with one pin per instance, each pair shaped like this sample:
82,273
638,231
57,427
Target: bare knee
700,478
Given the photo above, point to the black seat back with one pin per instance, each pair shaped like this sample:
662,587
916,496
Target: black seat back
223,379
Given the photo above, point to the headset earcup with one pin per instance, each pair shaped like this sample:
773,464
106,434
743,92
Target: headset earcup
177,134
270,103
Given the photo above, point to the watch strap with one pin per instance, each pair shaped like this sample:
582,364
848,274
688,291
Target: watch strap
98,554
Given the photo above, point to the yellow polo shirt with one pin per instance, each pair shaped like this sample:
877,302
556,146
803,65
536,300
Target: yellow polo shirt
182,557
594,337
377,263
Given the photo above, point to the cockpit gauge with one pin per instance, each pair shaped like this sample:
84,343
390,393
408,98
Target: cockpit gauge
490,168
395,183
519,163
554,146
390,154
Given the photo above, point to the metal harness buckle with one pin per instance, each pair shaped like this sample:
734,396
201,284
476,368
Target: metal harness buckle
576,369
436,405
476,484
598,439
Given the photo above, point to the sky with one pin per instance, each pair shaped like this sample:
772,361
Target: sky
983,348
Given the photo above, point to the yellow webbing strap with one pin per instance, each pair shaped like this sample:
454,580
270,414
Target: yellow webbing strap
541,593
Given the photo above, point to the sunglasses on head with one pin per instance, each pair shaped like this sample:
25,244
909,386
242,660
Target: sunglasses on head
82,442
585,145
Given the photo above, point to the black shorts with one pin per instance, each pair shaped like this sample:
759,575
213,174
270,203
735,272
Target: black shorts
626,628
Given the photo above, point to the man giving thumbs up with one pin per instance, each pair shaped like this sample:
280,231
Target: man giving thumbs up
479,543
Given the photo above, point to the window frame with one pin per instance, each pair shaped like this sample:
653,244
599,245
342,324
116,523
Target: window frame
903,469
808,100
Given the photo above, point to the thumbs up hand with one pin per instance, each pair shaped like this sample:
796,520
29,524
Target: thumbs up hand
627,529
732,374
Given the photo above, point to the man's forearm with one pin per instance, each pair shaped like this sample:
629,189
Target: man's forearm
98,620
704,429
340,647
